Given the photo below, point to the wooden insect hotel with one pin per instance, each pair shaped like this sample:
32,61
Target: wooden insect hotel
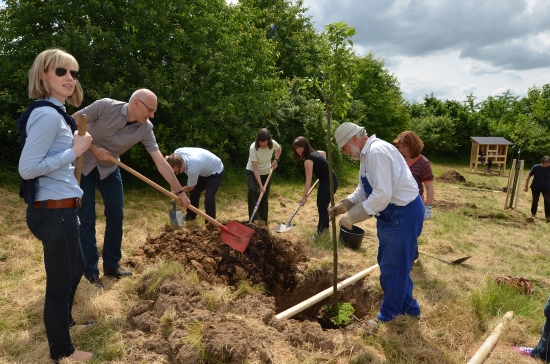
490,153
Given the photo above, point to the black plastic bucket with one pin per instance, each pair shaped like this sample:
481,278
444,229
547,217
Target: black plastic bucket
352,238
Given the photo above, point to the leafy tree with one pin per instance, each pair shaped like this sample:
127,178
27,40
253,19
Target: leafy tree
212,70
292,32
334,82
437,133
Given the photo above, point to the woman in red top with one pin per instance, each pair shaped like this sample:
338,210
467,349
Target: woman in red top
410,146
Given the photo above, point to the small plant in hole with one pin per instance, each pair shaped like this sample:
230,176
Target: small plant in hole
342,315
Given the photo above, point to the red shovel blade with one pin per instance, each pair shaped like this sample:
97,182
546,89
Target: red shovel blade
236,235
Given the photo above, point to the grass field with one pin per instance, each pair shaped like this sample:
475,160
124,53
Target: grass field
460,305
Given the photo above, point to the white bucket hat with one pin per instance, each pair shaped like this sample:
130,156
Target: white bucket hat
345,132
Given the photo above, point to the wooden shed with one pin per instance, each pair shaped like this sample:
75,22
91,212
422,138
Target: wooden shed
489,152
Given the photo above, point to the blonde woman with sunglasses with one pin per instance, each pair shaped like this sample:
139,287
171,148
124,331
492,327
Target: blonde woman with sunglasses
50,145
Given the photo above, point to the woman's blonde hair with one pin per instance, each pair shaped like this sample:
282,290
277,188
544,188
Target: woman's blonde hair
49,60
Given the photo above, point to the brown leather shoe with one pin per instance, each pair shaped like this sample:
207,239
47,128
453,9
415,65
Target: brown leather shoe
116,272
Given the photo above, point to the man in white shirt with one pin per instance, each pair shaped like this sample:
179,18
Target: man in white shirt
204,172
388,191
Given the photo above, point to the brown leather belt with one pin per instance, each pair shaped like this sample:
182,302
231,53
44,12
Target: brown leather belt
66,203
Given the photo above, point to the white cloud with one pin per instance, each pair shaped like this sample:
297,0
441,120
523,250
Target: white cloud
450,47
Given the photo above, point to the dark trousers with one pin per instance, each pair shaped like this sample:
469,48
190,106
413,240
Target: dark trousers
542,350
64,263
113,199
535,204
210,185
323,200
254,194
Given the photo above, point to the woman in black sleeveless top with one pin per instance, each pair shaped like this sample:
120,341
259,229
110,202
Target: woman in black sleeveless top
315,163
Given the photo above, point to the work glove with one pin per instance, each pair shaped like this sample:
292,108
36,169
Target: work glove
340,208
427,212
356,214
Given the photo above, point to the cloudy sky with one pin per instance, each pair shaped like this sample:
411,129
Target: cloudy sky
452,48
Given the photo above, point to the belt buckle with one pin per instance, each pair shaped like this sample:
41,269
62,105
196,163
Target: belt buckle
78,202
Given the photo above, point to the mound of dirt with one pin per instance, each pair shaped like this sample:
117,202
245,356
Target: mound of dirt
180,324
451,177
267,259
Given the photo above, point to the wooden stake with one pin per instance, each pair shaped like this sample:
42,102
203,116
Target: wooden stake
491,341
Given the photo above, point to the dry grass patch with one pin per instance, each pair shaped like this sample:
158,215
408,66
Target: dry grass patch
460,304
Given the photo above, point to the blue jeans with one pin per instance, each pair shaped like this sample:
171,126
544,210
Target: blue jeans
542,350
210,185
64,263
323,200
398,229
113,199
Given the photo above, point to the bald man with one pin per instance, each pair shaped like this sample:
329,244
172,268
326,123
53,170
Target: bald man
115,127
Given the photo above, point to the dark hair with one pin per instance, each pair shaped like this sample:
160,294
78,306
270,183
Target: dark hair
301,142
412,141
545,159
263,135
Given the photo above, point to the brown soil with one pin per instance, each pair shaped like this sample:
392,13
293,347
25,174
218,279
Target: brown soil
242,329
451,177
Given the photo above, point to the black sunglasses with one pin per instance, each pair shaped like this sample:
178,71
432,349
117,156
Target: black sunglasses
60,72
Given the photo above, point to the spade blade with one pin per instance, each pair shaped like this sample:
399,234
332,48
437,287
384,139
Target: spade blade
176,217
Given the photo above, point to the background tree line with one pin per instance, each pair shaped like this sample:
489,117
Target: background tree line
223,71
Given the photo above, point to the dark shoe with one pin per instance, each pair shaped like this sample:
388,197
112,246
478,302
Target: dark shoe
189,218
95,281
116,272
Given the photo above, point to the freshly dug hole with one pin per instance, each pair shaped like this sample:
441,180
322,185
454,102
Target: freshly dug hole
269,259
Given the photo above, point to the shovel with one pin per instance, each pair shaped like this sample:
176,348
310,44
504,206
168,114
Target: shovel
282,227
176,217
454,262
260,198
234,234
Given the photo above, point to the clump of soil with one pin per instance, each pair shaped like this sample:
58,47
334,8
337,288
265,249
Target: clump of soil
267,259
451,177
179,324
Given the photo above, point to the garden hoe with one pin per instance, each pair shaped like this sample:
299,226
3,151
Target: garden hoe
234,234
454,262
282,227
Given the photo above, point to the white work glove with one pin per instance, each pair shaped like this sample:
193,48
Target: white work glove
356,214
428,212
340,208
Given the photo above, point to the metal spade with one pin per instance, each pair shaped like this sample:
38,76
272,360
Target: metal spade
282,227
234,234
454,262
176,217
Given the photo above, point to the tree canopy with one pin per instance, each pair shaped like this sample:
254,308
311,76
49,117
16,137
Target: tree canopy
222,71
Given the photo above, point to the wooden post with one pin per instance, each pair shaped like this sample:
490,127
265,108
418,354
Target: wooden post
484,350
510,179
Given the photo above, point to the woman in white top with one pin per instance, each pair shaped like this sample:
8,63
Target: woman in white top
257,170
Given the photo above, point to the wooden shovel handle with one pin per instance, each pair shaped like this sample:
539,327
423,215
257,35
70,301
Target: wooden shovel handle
260,198
312,187
163,190
82,124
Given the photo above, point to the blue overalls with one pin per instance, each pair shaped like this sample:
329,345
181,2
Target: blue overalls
397,228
